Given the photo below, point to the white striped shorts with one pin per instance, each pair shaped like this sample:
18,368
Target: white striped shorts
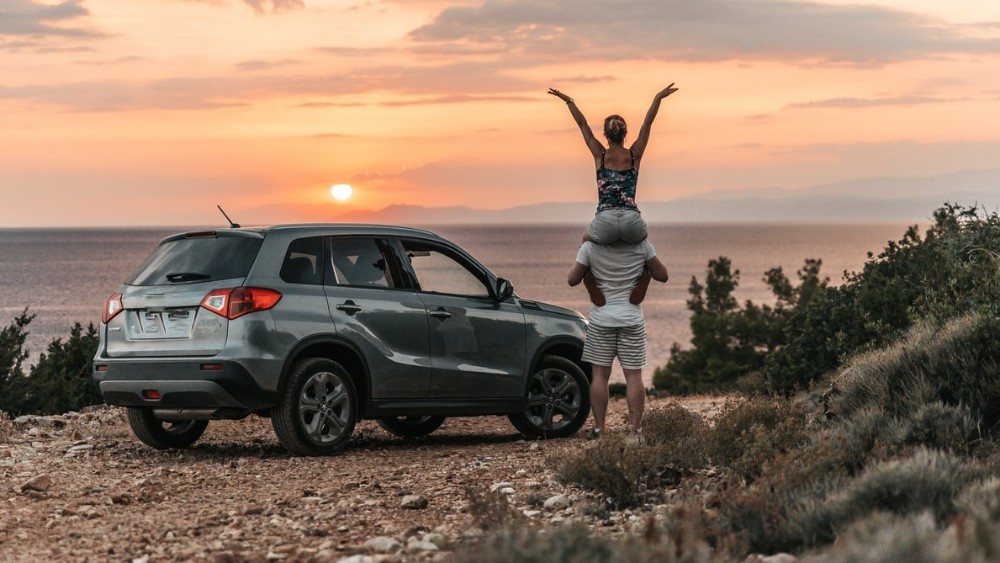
626,342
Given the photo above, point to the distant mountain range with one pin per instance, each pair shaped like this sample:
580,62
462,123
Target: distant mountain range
864,200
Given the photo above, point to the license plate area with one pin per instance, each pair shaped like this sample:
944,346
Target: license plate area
166,323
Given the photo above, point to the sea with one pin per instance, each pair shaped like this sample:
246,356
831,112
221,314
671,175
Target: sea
63,276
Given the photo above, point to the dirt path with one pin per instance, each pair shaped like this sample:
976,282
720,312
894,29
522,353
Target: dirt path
79,487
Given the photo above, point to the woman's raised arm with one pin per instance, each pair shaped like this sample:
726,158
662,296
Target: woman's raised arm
639,146
595,146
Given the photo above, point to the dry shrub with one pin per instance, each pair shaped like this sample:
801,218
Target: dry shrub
681,435
6,427
955,364
748,433
928,480
620,471
491,511
890,538
575,543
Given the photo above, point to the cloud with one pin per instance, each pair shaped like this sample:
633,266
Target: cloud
702,30
260,7
476,80
874,102
259,64
25,17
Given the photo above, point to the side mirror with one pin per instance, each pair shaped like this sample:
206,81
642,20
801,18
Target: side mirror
504,289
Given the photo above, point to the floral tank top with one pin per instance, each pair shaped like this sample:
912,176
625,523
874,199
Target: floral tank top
616,188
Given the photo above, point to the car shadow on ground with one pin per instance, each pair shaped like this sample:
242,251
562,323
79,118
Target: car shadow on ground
232,447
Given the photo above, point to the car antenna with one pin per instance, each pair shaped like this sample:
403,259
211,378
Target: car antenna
231,224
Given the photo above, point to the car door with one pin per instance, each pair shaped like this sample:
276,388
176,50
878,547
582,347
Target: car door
477,345
373,310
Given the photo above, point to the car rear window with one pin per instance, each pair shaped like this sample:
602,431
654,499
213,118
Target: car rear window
198,258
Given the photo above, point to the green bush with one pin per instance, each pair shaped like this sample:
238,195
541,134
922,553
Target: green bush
728,341
58,383
953,270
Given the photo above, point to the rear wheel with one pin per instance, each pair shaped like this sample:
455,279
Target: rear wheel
558,400
164,434
411,426
318,408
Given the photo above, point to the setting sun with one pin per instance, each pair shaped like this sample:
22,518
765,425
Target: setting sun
341,192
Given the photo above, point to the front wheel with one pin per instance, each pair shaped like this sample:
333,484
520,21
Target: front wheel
411,426
164,434
318,408
558,400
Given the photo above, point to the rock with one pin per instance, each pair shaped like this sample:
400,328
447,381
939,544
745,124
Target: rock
40,483
414,502
383,544
557,502
436,539
357,559
498,486
779,558
417,546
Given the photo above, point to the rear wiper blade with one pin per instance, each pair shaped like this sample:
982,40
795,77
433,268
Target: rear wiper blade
178,277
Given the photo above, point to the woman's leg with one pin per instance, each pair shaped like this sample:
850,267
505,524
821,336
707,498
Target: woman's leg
632,227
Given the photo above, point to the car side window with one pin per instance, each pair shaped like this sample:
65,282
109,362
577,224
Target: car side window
440,271
362,262
303,261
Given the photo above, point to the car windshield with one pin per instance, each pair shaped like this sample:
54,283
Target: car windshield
198,259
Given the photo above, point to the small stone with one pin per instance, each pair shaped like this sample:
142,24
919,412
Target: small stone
40,483
437,539
383,544
416,546
557,502
779,558
531,513
357,559
497,486
414,502
533,446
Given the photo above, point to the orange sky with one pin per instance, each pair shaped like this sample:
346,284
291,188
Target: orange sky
125,112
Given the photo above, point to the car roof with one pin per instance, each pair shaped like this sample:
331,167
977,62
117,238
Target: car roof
343,228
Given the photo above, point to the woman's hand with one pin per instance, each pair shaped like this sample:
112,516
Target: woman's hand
666,92
562,96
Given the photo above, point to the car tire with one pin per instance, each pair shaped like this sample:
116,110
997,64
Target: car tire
411,426
318,408
164,434
557,400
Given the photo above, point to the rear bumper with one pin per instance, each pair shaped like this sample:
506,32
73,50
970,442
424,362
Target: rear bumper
180,383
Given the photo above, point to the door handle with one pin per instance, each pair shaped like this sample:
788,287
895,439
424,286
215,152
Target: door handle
349,307
440,314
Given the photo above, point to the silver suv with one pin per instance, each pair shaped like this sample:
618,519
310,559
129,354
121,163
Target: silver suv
318,326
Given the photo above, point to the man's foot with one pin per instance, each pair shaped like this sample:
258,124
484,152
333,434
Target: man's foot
594,434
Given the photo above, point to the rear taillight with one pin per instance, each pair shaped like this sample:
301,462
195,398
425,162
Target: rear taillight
112,306
235,302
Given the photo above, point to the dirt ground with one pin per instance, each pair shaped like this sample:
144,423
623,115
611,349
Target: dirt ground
80,487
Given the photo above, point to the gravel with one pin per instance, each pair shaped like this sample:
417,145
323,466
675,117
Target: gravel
79,487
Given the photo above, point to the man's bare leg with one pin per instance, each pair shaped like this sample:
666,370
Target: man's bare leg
635,396
599,395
